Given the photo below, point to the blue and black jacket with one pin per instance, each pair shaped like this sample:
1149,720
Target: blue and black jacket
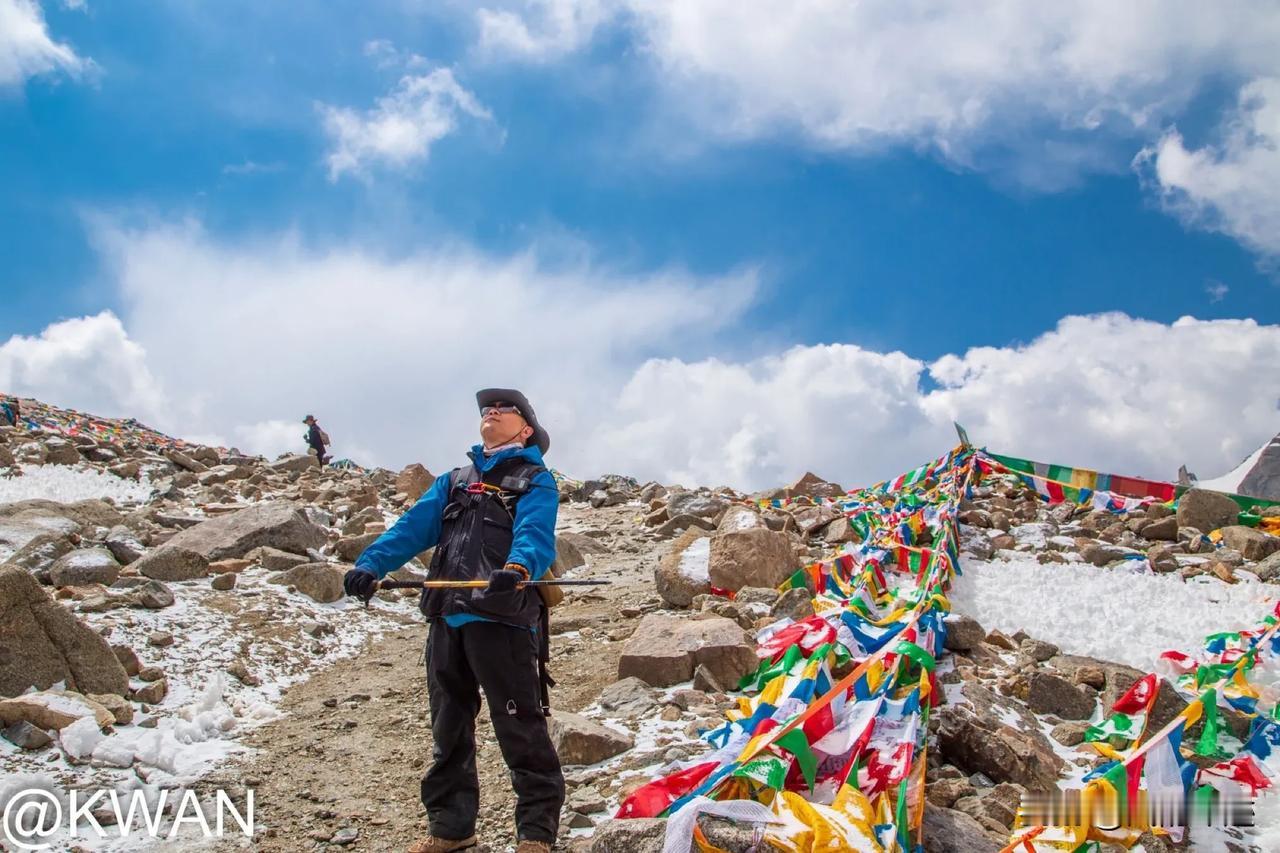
500,509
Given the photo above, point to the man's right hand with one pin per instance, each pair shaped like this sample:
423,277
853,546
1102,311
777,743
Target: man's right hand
360,583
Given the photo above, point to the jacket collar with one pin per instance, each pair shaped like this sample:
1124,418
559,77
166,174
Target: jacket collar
484,463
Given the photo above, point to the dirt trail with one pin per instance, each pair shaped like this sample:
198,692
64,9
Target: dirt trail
356,740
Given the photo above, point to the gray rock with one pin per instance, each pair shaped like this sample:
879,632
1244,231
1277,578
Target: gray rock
628,698
1053,694
963,633
1205,510
173,562
275,560
320,582
973,737
40,551
681,502
26,736
1069,734
581,741
684,573
1162,530
42,643
351,547
152,595
1269,569
640,835
951,831
681,523
1102,554
278,524
754,557
665,650
83,567
1251,543
124,545
795,604
224,582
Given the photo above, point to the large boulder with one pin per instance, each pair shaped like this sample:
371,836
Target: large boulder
753,557
1052,694
974,736
293,464
685,570
42,643
320,582
1252,544
414,480
951,831
665,650
85,566
278,524
1205,510
701,504
579,740
173,563
810,485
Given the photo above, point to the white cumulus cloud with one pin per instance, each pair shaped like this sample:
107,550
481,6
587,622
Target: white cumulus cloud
1038,92
27,49
401,127
242,340
88,363
1232,187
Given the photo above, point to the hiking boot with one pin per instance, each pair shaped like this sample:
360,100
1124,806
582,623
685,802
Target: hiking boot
527,845
431,844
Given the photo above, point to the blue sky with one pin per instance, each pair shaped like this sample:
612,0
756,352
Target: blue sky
599,143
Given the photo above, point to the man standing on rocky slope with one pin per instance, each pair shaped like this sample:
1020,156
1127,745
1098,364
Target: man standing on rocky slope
492,520
316,439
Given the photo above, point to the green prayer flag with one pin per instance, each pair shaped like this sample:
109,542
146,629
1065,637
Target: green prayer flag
795,743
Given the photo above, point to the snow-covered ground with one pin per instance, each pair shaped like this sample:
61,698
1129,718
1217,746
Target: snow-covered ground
67,484
1230,481
1127,614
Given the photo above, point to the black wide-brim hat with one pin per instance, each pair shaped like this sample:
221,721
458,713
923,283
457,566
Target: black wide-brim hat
490,396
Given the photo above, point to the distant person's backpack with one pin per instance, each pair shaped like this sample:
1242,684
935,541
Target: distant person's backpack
324,436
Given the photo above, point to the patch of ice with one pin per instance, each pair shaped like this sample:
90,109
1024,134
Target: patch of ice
70,483
695,562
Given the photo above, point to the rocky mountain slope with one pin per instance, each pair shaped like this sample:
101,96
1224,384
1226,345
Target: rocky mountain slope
172,615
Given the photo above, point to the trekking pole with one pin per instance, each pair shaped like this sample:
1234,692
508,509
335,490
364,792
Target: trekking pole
475,584
481,584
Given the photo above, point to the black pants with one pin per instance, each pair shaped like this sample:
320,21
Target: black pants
504,661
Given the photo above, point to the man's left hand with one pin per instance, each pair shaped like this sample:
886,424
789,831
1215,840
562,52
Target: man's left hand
509,577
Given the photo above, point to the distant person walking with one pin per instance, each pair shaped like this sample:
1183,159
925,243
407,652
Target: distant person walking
317,439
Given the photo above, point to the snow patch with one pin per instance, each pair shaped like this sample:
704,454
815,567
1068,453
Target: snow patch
68,484
695,561
1127,614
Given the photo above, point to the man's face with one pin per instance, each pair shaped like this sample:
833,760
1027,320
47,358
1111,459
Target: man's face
501,423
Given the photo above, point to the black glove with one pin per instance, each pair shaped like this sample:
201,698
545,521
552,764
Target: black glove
506,579
360,583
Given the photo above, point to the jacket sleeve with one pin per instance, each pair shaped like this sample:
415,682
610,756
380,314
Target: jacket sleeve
414,532
533,543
